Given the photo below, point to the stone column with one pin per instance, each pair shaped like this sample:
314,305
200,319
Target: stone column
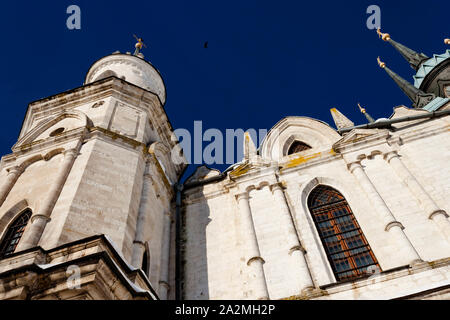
39,220
252,254
425,201
139,241
391,225
165,257
13,174
293,246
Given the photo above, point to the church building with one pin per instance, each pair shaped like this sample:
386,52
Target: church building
92,206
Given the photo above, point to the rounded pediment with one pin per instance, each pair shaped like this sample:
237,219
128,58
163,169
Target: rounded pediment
294,135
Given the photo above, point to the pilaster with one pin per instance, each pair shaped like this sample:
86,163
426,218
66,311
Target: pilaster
253,258
391,224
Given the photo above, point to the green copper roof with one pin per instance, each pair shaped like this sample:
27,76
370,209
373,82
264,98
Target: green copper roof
436,104
428,65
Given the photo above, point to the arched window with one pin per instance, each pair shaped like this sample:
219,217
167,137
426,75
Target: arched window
347,249
14,233
298,146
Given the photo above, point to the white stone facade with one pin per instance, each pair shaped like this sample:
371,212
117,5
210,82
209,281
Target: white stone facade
95,167
396,182
96,161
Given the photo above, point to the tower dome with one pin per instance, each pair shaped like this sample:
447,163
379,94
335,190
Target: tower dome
131,68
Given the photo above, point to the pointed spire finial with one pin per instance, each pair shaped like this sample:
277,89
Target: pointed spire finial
381,63
383,36
340,120
250,150
363,111
414,59
417,97
447,41
361,108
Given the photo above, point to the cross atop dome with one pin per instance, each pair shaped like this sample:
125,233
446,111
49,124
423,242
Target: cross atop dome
140,43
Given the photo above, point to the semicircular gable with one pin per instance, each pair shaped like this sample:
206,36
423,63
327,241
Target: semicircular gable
68,120
314,133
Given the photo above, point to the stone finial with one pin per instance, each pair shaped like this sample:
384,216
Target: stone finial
250,150
340,120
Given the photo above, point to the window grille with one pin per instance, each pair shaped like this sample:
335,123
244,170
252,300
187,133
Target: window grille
347,249
14,233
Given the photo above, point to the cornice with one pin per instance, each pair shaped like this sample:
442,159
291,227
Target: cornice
361,138
45,146
109,87
412,135
308,160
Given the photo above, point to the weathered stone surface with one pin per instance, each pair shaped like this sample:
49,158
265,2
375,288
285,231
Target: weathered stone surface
120,183
100,274
214,252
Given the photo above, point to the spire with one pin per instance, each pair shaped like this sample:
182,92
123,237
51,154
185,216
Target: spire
250,150
340,120
363,111
414,59
418,97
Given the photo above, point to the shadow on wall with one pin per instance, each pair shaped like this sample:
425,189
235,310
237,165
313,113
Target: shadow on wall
195,262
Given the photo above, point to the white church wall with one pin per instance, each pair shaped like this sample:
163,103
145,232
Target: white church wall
272,242
30,185
299,179
107,195
213,260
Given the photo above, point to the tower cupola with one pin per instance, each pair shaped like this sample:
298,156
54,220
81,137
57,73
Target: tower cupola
131,68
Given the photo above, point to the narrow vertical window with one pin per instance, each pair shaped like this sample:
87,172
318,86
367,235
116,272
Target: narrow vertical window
347,249
14,233
145,263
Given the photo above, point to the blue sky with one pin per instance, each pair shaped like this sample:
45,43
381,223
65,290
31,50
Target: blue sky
265,60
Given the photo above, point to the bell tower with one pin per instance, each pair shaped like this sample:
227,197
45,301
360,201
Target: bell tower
94,167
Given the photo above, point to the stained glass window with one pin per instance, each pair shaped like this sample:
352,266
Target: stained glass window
14,233
298,146
347,249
